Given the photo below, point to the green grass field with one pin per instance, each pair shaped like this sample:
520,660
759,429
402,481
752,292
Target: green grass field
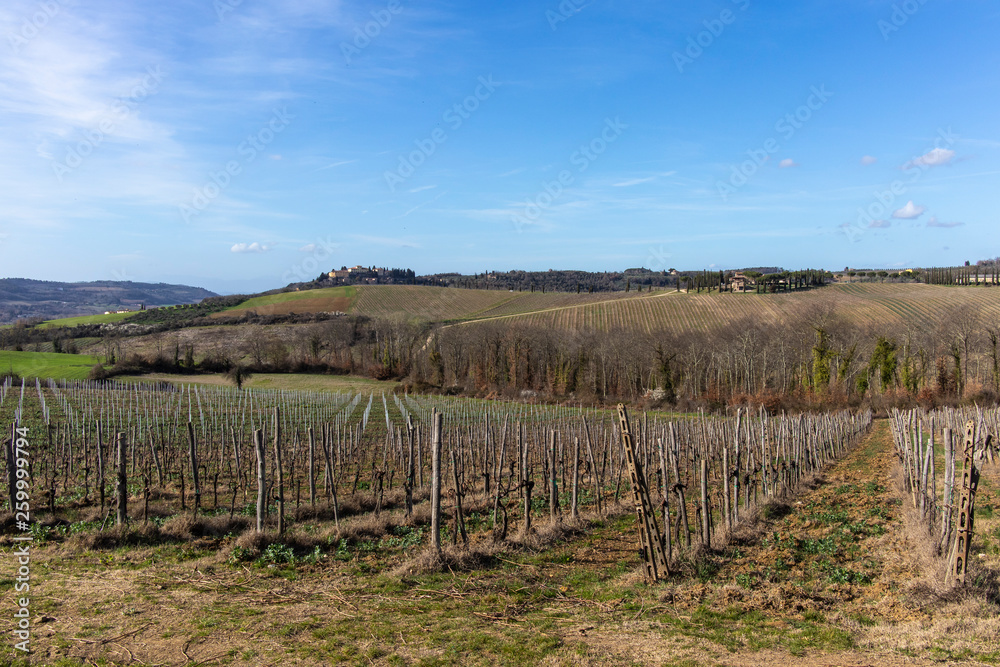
47,364
85,319
310,301
287,381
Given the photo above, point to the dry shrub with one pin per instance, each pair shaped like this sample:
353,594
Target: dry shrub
187,527
144,534
255,542
547,535
451,558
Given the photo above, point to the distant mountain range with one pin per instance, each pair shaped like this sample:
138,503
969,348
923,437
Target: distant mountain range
21,298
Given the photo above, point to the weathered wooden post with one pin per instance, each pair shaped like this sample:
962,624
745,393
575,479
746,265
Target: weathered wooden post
194,468
459,516
280,475
949,490
553,484
156,458
573,510
258,445
409,466
122,514
959,561
725,484
706,537
437,420
649,531
312,466
100,466
528,486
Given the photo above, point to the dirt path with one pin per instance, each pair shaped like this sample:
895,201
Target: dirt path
555,309
836,567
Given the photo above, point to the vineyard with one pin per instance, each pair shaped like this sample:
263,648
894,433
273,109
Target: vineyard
114,447
406,500
883,305
880,304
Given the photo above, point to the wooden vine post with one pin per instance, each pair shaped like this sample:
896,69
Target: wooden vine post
258,446
279,473
958,563
122,514
194,467
649,530
437,421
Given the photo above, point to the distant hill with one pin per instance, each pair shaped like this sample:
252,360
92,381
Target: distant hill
24,299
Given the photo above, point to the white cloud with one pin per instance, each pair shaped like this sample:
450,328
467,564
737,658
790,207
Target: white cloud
880,224
633,181
934,222
251,247
309,247
422,188
932,158
909,212
788,162
868,159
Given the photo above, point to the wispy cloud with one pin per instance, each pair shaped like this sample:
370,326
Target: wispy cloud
932,158
880,224
788,162
336,164
934,222
634,181
868,159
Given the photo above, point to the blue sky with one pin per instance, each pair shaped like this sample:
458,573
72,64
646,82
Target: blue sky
240,145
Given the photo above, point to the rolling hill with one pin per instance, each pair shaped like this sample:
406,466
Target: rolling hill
21,298
893,304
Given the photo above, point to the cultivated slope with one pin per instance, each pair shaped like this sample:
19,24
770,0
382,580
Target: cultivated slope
861,303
